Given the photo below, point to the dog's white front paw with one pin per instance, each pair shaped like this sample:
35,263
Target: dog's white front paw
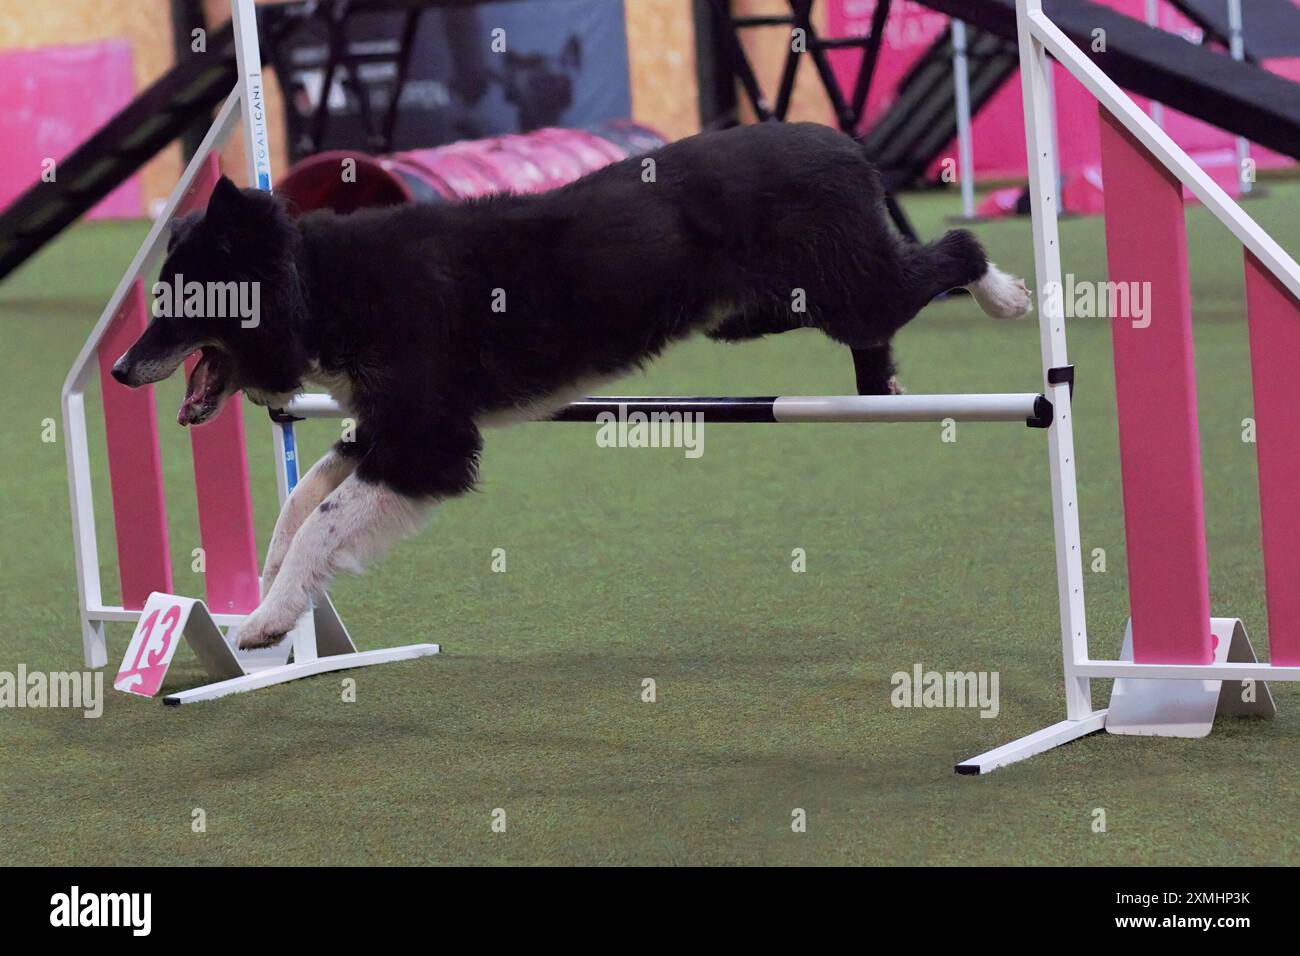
263,629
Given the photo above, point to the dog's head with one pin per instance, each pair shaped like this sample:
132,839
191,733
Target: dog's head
230,290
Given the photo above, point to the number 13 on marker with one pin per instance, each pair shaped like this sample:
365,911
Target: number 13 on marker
152,646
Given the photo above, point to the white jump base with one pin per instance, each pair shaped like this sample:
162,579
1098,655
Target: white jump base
284,673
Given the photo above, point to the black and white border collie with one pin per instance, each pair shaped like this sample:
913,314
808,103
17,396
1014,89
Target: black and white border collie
428,322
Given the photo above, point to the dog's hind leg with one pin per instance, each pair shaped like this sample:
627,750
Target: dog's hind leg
951,262
874,370
351,527
323,477
958,261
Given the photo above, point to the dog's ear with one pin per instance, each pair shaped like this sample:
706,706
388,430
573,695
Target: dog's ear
226,203
181,227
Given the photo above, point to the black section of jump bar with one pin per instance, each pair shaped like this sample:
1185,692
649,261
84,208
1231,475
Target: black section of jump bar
1044,413
1238,97
715,410
281,417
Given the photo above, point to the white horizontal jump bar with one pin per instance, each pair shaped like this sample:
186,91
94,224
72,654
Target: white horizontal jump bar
1006,407
993,407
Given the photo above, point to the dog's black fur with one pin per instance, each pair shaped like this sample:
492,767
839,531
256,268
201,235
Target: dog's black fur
427,319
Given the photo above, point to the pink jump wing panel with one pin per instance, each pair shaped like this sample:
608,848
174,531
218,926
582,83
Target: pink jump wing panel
1274,319
1155,384
134,462
231,576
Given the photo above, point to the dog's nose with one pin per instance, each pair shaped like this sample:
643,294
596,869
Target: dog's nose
121,370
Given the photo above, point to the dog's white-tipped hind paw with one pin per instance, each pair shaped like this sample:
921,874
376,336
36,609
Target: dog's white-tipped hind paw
257,640
1002,295
259,631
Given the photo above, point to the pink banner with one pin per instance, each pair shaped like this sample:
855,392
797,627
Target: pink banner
51,100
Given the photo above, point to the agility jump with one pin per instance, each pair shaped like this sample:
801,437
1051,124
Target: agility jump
1179,666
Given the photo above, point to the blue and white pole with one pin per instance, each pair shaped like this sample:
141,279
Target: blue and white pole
257,150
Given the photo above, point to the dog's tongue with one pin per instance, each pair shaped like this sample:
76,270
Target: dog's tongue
203,388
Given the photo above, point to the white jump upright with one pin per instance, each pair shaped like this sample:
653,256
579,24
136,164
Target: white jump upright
1178,666
320,642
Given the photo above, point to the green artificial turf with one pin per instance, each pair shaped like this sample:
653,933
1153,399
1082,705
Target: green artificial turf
773,687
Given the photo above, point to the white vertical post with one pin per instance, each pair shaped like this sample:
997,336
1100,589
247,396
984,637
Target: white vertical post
1049,92
1237,47
94,646
1035,70
965,152
1153,20
257,152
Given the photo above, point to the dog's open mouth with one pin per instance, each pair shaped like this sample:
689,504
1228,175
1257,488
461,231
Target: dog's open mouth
207,388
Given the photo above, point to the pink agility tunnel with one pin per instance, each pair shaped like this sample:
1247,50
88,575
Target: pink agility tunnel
519,163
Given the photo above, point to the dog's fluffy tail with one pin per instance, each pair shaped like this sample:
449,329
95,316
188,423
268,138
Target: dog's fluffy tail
958,261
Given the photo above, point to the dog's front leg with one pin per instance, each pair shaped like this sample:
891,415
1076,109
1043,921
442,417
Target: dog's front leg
351,527
324,476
